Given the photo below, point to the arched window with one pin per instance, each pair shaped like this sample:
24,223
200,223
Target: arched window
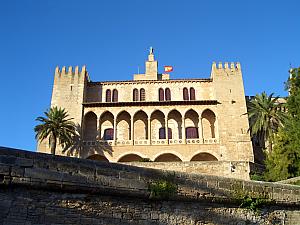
115,95
192,94
109,134
108,95
135,95
161,94
185,94
142,94
168,94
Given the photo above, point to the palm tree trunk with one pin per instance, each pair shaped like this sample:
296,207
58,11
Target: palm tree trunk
53,144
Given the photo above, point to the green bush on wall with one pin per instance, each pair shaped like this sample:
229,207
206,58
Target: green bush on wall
162,189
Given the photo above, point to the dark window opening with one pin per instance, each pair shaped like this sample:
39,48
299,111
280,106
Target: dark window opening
108,95
115,95
162,133
192,94
142,94
135,95
191,133
185,94
161,94
168,94
109,134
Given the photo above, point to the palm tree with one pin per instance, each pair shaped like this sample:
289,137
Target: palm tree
265,118
57,127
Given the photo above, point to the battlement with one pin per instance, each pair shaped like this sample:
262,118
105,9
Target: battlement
226,66
63,71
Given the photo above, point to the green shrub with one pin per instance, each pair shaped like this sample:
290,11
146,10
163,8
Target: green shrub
254,204
257,177
162,189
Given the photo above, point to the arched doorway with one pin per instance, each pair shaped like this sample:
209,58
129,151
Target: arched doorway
140,125
107,126
208,124
191,124
123,126
90,127
157,123
175,123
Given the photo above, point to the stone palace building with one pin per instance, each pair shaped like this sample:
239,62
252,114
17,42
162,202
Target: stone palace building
155,117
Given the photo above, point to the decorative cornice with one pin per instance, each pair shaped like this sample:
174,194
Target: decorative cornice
157,103
149,81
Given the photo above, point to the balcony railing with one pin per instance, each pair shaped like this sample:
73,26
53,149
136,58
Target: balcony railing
176,141
159,142
195,141
142,142
124,142
211,141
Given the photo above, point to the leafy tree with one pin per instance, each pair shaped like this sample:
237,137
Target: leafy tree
57,127
284,162
265,118
293,86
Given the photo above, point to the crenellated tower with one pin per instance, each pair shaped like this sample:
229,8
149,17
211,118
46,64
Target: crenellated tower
233,120
69,93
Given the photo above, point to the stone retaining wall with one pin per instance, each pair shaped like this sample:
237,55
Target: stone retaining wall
39,188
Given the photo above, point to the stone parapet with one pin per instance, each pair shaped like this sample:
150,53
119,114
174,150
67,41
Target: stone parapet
43,171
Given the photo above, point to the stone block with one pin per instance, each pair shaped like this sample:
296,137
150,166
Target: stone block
17,171
7,159
23,162
42,174
4,169
73,178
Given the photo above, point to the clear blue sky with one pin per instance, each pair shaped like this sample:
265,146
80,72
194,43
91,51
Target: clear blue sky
112,38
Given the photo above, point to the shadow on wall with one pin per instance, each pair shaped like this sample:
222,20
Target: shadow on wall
131,211
82,149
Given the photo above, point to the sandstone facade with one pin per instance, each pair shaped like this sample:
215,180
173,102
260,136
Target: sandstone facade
155,117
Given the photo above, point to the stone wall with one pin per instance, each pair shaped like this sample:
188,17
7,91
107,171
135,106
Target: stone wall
232,169
26,206
39,188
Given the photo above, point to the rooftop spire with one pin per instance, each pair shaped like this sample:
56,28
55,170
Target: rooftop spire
151,50
151,55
